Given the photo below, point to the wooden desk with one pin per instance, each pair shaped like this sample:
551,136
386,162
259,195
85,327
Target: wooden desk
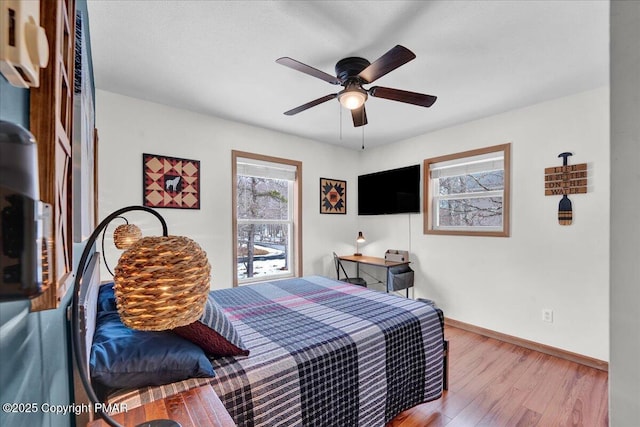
196,407
374,261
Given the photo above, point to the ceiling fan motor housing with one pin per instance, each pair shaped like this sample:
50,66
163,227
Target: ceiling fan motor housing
349,68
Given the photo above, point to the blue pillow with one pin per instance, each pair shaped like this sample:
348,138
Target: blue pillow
127,358
106,298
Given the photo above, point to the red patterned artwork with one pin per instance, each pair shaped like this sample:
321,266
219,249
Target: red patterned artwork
170,182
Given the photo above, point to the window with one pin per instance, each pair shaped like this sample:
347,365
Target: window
266,217
468,193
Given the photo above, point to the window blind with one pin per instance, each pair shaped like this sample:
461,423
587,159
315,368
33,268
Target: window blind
264,169
480,163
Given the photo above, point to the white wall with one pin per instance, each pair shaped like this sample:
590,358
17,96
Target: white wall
624,372
129,127
504,283
497,283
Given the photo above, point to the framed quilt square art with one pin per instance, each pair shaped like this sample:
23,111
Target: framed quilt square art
170,182
333,196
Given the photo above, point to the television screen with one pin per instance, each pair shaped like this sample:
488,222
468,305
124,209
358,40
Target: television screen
390,192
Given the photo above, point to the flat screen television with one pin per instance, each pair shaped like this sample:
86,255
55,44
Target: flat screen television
390,192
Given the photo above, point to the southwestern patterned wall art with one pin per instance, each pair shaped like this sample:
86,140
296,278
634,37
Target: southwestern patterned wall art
170,182
333,196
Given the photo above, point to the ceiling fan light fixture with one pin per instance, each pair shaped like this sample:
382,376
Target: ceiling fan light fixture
352,98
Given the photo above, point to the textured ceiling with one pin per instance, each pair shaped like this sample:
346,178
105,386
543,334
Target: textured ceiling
218,57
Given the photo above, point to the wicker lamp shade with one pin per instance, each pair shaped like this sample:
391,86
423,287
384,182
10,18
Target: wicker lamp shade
162,283
126,235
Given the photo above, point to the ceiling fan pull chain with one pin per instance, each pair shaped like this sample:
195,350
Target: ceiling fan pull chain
362,137
340,114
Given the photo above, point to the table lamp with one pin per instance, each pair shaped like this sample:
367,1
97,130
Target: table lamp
124,236
359,239
161,283
175,273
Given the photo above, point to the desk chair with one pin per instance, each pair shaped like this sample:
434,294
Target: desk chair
353,280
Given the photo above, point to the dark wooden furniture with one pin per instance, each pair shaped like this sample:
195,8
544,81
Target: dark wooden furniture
51,123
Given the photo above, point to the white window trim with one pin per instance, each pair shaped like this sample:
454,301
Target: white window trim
438,166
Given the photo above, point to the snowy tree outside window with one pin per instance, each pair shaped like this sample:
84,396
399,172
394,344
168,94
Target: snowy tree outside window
264,208
468,193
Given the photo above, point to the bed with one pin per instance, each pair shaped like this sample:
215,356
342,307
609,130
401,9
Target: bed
320,353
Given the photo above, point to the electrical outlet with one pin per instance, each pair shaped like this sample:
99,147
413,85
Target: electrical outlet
547,315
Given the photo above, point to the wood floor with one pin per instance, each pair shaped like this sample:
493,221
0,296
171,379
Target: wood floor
493,384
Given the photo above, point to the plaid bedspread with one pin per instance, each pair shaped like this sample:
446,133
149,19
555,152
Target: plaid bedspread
323,353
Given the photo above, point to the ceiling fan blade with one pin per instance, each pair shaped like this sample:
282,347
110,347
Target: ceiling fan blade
304,68
309,104
359,116
403,96
395,57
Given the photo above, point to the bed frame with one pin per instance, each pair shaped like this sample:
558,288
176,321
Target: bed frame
87,309
83,309
185,408
87,312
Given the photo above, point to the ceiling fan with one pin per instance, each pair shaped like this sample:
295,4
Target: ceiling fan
352,73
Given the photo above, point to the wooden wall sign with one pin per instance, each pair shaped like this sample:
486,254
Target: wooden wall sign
563,180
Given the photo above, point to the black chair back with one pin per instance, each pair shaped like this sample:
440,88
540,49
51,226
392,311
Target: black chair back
339,267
